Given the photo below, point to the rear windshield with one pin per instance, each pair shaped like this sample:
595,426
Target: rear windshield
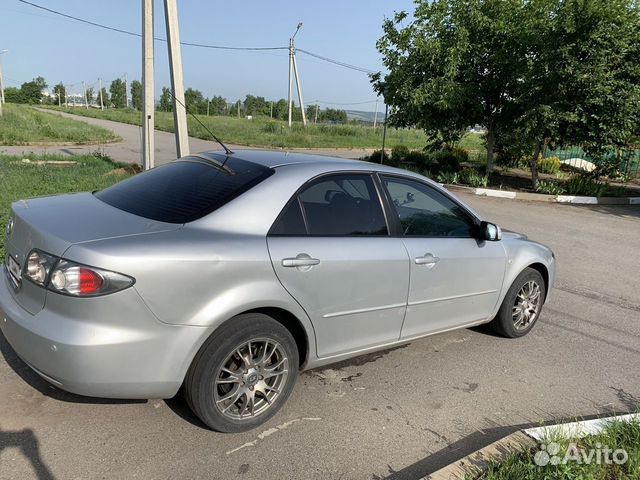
184,190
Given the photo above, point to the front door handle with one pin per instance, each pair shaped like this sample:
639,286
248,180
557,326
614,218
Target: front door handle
427,259
301,260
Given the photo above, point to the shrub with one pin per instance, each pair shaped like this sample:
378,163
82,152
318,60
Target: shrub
470,177
583,185
549,165
450,159
399,153
418,158
375,157
450,178
550,188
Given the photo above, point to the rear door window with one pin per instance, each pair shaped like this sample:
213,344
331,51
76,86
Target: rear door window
184,190
343,204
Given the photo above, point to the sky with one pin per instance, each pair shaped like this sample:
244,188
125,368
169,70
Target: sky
60,49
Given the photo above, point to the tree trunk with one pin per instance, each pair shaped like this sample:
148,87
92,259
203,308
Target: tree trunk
491,141
534,165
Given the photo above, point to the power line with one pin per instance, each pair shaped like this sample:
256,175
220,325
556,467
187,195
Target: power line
351,103
135,34
335,62
199,45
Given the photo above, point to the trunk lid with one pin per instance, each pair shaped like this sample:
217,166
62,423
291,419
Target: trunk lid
53,224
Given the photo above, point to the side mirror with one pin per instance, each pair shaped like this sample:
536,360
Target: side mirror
490,231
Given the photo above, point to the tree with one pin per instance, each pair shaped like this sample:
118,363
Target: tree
136,94
12,95
118,93
256,105
105,97
31,92
60,93
456,64
217,105
280,109
194,101
89,94
166,102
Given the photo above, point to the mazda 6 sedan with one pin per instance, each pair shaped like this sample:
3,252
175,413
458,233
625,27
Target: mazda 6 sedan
225,275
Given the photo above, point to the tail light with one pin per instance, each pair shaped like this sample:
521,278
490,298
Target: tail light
70,278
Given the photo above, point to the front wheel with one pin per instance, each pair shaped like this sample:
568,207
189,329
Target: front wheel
521,306
243,374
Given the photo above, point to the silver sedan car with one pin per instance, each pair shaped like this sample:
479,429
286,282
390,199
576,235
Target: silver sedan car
226,275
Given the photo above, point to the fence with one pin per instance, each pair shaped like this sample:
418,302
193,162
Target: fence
628,160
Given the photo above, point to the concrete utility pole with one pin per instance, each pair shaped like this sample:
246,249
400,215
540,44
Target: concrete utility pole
148,103
84,92
315,120
1,84
126,92
177,83
60,95
208,103
375,117
100,90
293,69
271,109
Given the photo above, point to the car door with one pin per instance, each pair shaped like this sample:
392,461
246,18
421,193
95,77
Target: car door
455,277
331,250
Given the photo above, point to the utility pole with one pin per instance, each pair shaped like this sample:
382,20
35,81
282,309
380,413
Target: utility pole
271,110
177,82
208,102
293,70
1,84
315,120
126,92
60,95
384,132
84,92
101,100
238,108
148,103
375,117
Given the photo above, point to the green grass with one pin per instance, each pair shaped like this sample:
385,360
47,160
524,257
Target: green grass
20,180
618,435
24,125
264,132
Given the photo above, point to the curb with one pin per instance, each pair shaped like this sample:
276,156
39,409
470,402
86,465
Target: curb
540,197
477,461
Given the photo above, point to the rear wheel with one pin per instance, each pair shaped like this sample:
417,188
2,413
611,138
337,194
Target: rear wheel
521,306
243,374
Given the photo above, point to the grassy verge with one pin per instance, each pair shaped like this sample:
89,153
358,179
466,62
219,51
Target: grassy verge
618,435
23,125
265,132
20,180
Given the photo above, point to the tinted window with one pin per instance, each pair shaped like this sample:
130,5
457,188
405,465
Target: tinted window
423,211
336,205
185,190
291,221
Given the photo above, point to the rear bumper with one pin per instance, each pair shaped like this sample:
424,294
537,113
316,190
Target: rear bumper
111,347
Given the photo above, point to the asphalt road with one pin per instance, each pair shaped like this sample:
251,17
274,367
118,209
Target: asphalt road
129,149
399,414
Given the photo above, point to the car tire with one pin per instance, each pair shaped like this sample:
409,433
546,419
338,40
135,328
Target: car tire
243,374
520,310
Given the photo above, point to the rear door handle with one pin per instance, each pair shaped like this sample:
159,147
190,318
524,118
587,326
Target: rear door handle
301,260
427,259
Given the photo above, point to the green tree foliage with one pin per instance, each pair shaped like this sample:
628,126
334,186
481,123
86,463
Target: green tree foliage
195,101
136,94
89,95
118,91
166,101
12,95
217,105
60,93
280,109
256,106
533,72
31,92
105,97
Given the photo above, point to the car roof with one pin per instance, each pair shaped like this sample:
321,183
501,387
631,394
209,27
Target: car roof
282,158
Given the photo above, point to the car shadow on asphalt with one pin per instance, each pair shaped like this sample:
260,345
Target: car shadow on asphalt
179,406
27,442
45,388
623,211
